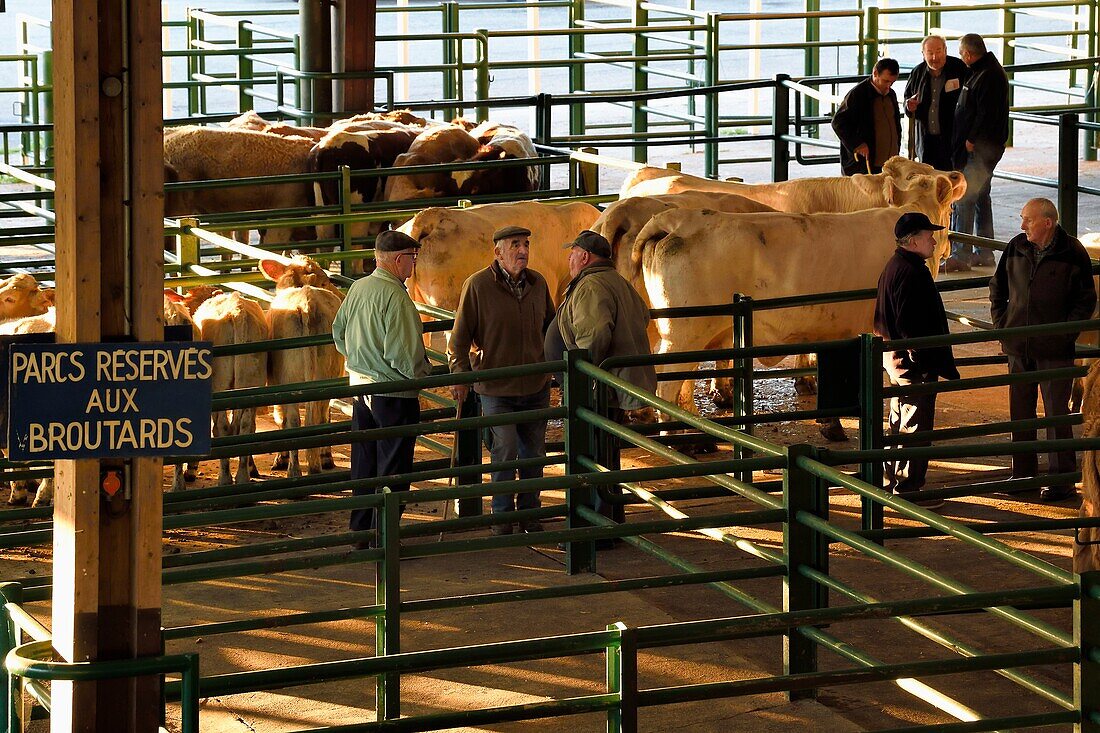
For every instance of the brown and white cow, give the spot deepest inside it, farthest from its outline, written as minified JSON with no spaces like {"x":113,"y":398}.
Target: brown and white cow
{"x":211,"y":153}
{"x":499,"y":142}
{"x":434,"y":146}
{"x":456,"y":243}
{"x":906,"y":183}
{"x":305,"y":304}
{"x":692,"y":257}
{"x":224,"y":319}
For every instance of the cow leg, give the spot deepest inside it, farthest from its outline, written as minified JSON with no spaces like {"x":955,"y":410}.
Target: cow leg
{"x":223,"y":429}
{"x":44,"y":495}
{"x":327,"y":462}
{"x":19,"y":493}
{"x":721,"y":388}
{"x":831,"y":429}
{"x":282,"y":458}
{"x":245,"y":424}
{"x":315,"y":415}
{"x":292,"y":419}
{"x":805,"y":385}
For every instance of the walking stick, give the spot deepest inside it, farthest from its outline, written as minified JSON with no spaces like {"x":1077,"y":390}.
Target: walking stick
{"x":454,"y":460}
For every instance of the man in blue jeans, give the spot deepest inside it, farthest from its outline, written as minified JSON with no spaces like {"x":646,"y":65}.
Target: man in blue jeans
{"x":502,"y":315}
{"x":980,"y":136}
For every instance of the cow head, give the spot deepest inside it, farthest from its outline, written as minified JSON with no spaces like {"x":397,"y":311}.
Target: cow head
{"x":299,"y":272}
{"x":903,"y":168}
{"x":464,"y":123}
{"x":933,"y":196}
{"x":175,"y":311}
{"x":196,"y":296}
{"x":332,"y":153}
{"x":20,"y":296}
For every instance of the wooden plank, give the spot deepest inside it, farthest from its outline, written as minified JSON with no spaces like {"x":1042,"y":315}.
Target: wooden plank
{"x":360,"y":33}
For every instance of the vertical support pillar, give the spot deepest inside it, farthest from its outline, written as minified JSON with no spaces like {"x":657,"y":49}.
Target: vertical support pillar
{"x":187,"y":248}
{"x":110,"y":228}
{"x":742,"y":382}
{"x":46,"y":71}
{"x":812,"y":62}
{"x":346,"y":244}
{"x":451,"y":79}
{"x":357,"y":24}
{"x":316,"y":57}
{"x":469,"y":454}
{"x":711,"y":116}
{"x":483,"y":77}
{"x":781,"y":126}
{"x":387,"y":593}
{"x":1093,"y":44}
{"x":803,"y":546}
{"x":544,"y":132}
{"x":1068,"y":147}
{"x":576,"y":69}
{"x":870,"y":38}
{"x":1086,"y":635}
{"x":580,"y":556}
{"x":622,"y":679}
{"x":870,"y":422}
{"x":640,"y":123}
{"x":588,"y":175}
{"x":245,"y":68}
{"x":1008,"y":58}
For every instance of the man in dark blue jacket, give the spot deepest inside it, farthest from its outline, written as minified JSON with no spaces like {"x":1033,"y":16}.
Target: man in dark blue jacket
{"x":930,"y":98}
{"x":909,"y":306}
{"x":980,"y":136}
{"x":1044,"y":276}
{"x":868,"y":123}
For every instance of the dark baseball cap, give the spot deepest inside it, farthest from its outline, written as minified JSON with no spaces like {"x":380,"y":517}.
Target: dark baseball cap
{"x":591,"y":242}
{"x":392,"y":240}
{"x":512,"y":231}
{"x":913,"y":223}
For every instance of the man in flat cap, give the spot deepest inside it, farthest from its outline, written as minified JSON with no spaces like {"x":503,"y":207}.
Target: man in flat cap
{"x":379,"y":332}
{"x":601,"y":312}
{"x":909,"y":306}
{"x":503,"y":312}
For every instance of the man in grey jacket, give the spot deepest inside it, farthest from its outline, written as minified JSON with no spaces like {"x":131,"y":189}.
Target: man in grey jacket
{"x":601,"y":312}
{"x":1044,"y":276}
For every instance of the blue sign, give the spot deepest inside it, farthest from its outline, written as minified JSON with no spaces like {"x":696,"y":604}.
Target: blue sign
{"x":109,"y":400}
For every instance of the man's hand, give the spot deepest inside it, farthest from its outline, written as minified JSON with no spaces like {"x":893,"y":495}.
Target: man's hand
{"x":911,"y":103}
{"x":459,"y":392}
{"x":969,"y":147}
{"x":862,"y":151}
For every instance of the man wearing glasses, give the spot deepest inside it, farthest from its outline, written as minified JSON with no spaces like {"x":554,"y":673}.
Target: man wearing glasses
{"x":379,"y":332}
{"x":502,"y":315}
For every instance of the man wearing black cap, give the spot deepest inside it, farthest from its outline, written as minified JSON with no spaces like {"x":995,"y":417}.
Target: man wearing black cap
{"x":1044,"y":276}
{"x":379,"y":332}
{"x":909,"y":306}
{"x":502,"y":314}
{"x":601,"y":312}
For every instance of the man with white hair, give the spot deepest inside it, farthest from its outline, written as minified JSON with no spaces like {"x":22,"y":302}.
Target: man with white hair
{"x":1044,"y":276}
{"x":930,"y":97}
{"x":502,"y":315}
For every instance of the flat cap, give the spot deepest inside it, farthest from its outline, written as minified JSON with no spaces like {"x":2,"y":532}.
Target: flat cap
{"x":912,"y":223}
{"x":591,"y":242}
{"x":392,"y":240}
{"x":512,"y":231}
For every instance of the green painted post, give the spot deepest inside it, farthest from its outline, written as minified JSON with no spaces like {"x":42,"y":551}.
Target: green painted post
{"x":1086,"y":635}
{"x":1008,"y":57}
{"x":483,"y":78}
{"x":742,"y":382}
{"x":451,"y":78}
{"x":870,"y":422}
{"x":1067,"y":172}
{"x":588,"y":175}
{"x":1091,"y":77}
{"x":387,"y":593}
{"x":577,"y":392}
{"x":10,"y":593}
{"x":576,"y":70}
{"x":622,"y":679}
{"x":345,"y":208}
{"x":781,"y":126}
{"x":640,"y":120}
{"x":244,"y":66}
{"x":932,"y":16}
{"x":46,"y":62}
{"x":804,"y":547}
{"x":544,"y":130}
{"x":193,"y":34}
{"x":468,"y":453}
{"x":711,"y":116}
{"x":187,"y":248}
{"x":812,"y":59}
{"x":870,"y":38}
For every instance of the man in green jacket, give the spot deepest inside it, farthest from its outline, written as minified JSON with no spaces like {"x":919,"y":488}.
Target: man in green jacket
{"x":503,"y":312}
{"x":601,"y":312}
{"x":379,"y":332}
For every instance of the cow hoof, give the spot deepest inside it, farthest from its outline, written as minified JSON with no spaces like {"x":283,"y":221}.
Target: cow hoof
{"x":294,"y":472}
{"x":833,"y":431}
{"x":189,"y":475}
{"x":721,"y":399}
{"x":327,"y":464}
{"x":805,"y":386}
{"x":282,"y":460}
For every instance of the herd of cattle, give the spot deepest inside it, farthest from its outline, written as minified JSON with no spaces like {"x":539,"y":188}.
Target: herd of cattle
{"x":679,"y":239}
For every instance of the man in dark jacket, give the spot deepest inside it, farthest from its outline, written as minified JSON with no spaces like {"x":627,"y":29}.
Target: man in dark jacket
{"x":1044,"y":276}
{"x":868,"y":123}
{"x":502,"y":314}
{"x":979,"y":139}
{"x":930,"y":98}
{"x":909,"y":306}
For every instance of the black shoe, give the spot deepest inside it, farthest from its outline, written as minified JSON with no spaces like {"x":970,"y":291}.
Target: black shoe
{"x":1057,"y":493}
{"x":501,"y":529}
{"x":984,"y":258}
{"x":530,"y":526}
{"x":609,"y":543}
{"x":363,"y":545}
